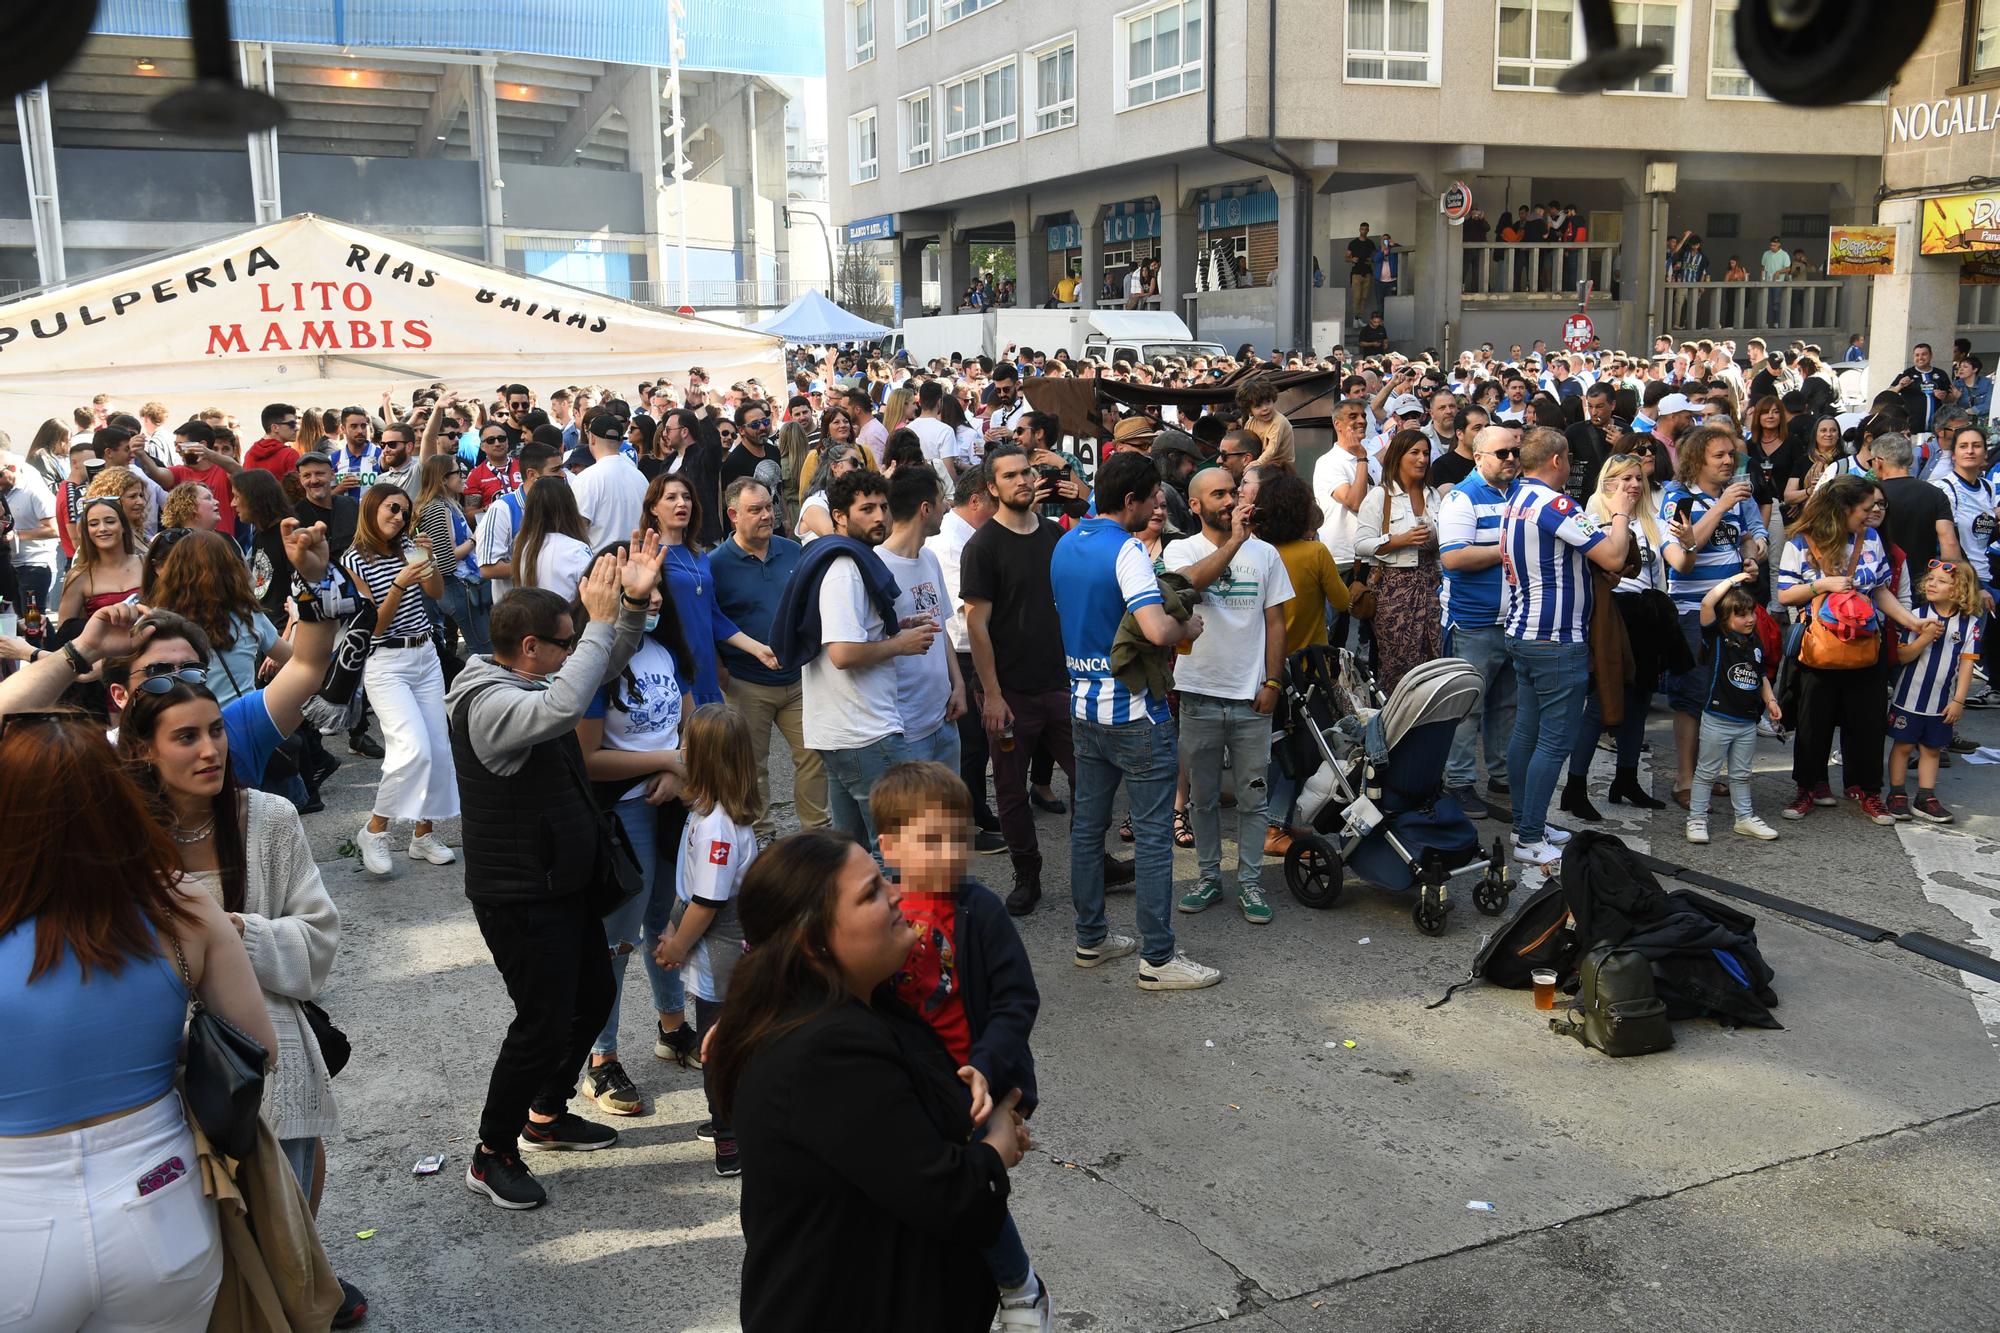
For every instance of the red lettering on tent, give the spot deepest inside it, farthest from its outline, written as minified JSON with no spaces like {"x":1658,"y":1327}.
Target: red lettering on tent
{"x":360,"y":334}
{"x":318,"y":334}
{"x":226,"y":338}
{"x":416,"y":334}
{"x":275,"y":339}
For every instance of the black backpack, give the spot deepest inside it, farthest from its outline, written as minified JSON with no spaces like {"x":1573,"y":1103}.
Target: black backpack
{"x":1616,"y":1010}
{"x":1541,"y":934}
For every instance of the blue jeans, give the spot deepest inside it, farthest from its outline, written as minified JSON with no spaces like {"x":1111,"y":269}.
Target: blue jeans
{"x":941,"y":745}
{"x":1730,"y":740}
{"x":1208,"y":727}
{"x":1143,"y":755}
{"x":302,"y":1155}
{"x":1486,"y":648}
{"x":470,"y":605}
{"x":639,"y":923}
{"x":850,"y":775}
{"x":1284,"y":795}
{"x":1553,"y":678}
{"x":1007,"y":1257}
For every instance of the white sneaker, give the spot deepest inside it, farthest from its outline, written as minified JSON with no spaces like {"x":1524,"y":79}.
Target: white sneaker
{"x":1753,"y":827}
{"x":429,"y":847}
{"x":1029,"y":1314}
{"x":1543,"y":853}
{"x":374,"y":847}
{"x":1697,"y":831}
{"x":1106,"y":949}
{"x":1178,"y":973}
{"x":1555,"y":836}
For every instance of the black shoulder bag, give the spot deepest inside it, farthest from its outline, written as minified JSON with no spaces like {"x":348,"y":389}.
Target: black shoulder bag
{"x":619,"y":876}
{"x":224,"y":1072}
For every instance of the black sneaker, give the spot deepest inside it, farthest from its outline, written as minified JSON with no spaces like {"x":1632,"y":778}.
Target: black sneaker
{"x":986,"y":844}
{"x":323,"y":768}
{"x":681,"y":1045}
{"x":705,"y":1131}
{"x":727,"y":1162}
{"x":612,"y":1089}
{"x":502,"y":1178}
{"x":1118,"y":871}
{"x":1960,"y":745}
{"x":568,"y":1132}
{"x":353,"y":1305}
{"x":361,"y":743}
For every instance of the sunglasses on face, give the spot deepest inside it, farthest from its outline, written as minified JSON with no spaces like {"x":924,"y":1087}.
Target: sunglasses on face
{"x":566,"y":644}
{"x":161,"y":677}
{"x":395,"y":510}
{"x":1505,"y":454}
{"x":493,"y":439}
{"x":294,"y":421}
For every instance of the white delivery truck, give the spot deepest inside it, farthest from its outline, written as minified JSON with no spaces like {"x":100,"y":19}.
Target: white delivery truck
{"x":1114,"y":335}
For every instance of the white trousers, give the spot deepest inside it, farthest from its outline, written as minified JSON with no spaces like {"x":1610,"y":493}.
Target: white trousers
{"x":82,"y":1249}
{"x":406,"y":689}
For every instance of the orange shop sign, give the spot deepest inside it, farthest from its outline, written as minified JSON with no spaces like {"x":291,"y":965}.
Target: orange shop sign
{"x":1957,"y":224}
{"x":1853,"y":252}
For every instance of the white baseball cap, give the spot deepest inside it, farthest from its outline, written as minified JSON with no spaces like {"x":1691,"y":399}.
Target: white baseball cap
{"x":1678,"y":402}
{"x":1404,"y":404}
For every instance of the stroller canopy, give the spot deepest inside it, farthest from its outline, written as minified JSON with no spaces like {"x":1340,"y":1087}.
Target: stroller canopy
{"x":1444,"y":690}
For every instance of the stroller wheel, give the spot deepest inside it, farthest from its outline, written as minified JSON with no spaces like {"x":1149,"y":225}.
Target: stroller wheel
{"x":1313,"y":871}
{"x":1491,"y":893}
{"x":1429,"y":918}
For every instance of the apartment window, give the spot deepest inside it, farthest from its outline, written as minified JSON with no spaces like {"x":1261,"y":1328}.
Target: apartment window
{"x":1392,"y":41}
{"x":860,"y":31}
{"x":1982,"y":39}
{"x":951,"y":11}
{"x":1116,"y":259}
{"x":1054,"y":84}
{"x":1160,"y":52}
{"x":916,"y":19}
{"x":916,"y":111}
{"x":862,"y":163}
{"x":981,"y":109}
{"x":1804,"y":224}
{"x":1723,"y":226}
{"x":1658,"y":25}
{"x":1726,"y":75}
{"x":1536,"y":42}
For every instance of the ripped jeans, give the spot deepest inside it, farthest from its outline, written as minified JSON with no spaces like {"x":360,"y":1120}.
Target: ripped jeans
{"x":1208,"y":727}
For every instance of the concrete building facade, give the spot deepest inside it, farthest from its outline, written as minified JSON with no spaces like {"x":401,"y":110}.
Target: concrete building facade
{"x":1197,"y":131}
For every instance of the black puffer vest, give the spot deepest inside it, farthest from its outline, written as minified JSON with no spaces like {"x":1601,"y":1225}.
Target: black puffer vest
{"x":529,"y":835}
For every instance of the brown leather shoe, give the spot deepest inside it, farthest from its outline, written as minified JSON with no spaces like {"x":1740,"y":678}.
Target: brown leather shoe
{"x":1277,"y":841}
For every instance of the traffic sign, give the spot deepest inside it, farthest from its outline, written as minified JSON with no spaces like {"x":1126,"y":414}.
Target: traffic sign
{"x":1578,"y":332}
{"x":684,"y":310}
{"x":1455,"y":202}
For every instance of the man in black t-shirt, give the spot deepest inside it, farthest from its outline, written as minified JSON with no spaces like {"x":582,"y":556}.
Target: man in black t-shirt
{"x":753,"y":435}
{"x":1587,"y":450}
{"x":1924,"y":388}
{"x":340,"y":513}
{"x":1016,"y":639}
{"x":1919,"y":517}
{"x":1450,"y":468}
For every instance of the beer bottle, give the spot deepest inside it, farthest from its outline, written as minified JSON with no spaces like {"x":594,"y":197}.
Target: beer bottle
{"x":31,"y":621}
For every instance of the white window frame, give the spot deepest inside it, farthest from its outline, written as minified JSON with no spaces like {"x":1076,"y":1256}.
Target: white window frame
{"x":1009,"y":124}
{"x":910,"y":29}
{"x":1432,"y":56}
{"x":856,"y":53}
{"x":1535,"y":63}
{"x":957,"y":11}
{"x":1121,"y":47}
{"x":906,"y":160}
{"x":1677,"y":53}
{"x":861,"y":170}
{"x":1721,"y":27}
{"x":1032,"y":76}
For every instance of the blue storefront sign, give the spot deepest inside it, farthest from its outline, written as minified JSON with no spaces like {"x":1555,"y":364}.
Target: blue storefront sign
{"x":1065,"y":236}
{"x":880,"y":228}
{"x":1135,"y":225}
{"x":1238,"y":210}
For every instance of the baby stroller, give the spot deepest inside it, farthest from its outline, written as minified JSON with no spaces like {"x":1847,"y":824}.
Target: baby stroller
{"x":1375,"y":802}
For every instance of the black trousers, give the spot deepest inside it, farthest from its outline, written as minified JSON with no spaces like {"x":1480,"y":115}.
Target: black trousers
{"x":1855,"y":702}
{"x":707,"y":1013}
{"x":553,"y":958}
{"x":972,"y":753}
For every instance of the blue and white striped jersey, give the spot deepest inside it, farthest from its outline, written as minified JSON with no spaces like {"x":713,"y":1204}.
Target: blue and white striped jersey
{"x":1101,"y":572}
{"x":1926,"y":684}
{"x":1543,"y":537}
{"x":1720,"y":558}
{"x":1469,"y":515}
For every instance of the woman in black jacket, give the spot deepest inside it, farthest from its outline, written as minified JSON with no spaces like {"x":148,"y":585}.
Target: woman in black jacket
{"x":866,"y":1199}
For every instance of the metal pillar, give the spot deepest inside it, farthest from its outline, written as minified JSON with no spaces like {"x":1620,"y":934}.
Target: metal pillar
{"x":38,"y":153}
{"x":675,"y":11}
{"x":486,"y":139}
{"x":254,"y":61}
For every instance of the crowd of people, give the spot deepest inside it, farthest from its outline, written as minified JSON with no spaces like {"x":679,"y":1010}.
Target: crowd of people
{"x":579,"y":615}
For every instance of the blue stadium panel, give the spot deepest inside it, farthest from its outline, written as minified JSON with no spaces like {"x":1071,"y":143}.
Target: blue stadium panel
{"x":781,"y":37}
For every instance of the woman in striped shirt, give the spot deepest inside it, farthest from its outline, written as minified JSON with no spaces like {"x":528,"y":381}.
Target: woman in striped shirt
{"x":403,"y":679}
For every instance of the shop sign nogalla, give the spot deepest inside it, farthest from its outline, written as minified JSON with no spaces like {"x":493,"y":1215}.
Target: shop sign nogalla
{"x":1974,"y":113}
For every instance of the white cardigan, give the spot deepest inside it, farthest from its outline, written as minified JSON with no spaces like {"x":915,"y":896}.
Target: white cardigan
{"x":1369,"y":534}
{"x":291,"y":931}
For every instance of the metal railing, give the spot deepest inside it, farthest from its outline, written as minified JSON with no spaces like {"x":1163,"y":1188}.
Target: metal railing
{"x":711,"y":294}
{"x":1512,"y":270}
{"x":1757,"y":307}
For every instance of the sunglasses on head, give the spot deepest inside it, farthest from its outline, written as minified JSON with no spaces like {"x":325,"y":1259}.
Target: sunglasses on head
{"x":1948,"y":566}
{"x":161,"y":677}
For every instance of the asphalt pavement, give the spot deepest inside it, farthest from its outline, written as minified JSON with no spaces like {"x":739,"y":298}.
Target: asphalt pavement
{"x":1299,"y":1148}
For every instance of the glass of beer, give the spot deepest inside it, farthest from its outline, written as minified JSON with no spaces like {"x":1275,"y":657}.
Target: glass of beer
{"x":1545,"y":987}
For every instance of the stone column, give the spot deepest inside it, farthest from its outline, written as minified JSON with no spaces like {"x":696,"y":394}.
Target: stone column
{"x":1180,"y":244}
{"x":1916,"y":303}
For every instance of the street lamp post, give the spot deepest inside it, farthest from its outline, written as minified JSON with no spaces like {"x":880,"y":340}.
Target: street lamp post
{"x":826,"y":233}
{"x":675,"y":11}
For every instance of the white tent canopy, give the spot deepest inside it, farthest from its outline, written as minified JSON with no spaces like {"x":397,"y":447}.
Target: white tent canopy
{"x":322,"y":313}
{"x":814,"y":319}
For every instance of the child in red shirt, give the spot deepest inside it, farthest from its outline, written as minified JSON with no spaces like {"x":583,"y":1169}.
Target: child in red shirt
{"x":967,"y":976}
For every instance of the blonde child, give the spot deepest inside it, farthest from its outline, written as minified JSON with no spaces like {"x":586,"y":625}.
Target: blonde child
{"x":1929,"y":698}
{"x":704,"y":935}
{"x":1737,"y":693}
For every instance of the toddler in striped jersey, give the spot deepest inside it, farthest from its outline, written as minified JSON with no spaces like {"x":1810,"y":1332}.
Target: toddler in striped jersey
{"x":1930,"y":691}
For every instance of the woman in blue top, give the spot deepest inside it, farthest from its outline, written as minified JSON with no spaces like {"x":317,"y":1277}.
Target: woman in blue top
{"x":101,"y":1201}
{"x":673,"y":510}
{"x":205,"y":580}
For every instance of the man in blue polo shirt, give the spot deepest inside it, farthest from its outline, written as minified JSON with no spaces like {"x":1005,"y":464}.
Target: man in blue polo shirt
{"x":1474,"y":613}
{"x":1548,"y":544}
{"x":1722,"y":534}
{"x":751,"y":569}
{"x":1101,"y":573}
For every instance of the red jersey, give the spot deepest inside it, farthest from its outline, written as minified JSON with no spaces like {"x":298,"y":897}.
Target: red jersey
{"x":485,"y":481}
{"x":928,"y":981}
{"x":216,"y":478}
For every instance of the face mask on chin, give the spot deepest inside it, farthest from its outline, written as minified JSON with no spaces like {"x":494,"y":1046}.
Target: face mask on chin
{"x":652,"y":621}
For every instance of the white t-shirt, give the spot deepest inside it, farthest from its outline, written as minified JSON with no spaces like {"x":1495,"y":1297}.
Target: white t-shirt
{"x":493,"y":540}
{"x":33,"y":505}
{"x":817,"y":500}
{"x":847,"y":710}
{"x":560,"y":565}
{"x":1227,"y":661}
{"x":940,"y":442}
{"x":610,"y":494}
{"x":949,"y":548}
{"x":650,"y":722}
{"x":1336,"y":468}
{"x":715,"y":853}
{"x":923,"y":684}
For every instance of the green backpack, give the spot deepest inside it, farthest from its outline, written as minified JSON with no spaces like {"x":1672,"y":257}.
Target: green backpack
{"x":1618,"y":1010}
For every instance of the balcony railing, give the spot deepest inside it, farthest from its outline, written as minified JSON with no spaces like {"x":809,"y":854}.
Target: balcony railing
{"x":1760,"y":307}
{"x":1515,"y":270}
{"x":712,"y":294}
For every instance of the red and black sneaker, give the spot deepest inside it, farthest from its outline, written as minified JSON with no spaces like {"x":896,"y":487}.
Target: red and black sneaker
{"x":1899,"y":805}
{"x":1932,"y":810}
{"x":502,"y":1178}
{"x":1822,"y":795}
{"x":1872,"y":808}
{"x":1801,"y":806}
{"x":568,"y":1132}
{"x":353,"y":1305}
